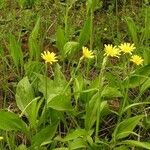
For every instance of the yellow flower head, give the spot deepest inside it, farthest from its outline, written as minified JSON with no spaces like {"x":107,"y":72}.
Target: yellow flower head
{"x":137,"y":60}
{"x":49,"y":57}
{"x":87,"y":53}
{"x":127,"y":48}
{"x":111,"y":50}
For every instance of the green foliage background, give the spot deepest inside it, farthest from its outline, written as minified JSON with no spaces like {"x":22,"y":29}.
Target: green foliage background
{"x":73,"y":104}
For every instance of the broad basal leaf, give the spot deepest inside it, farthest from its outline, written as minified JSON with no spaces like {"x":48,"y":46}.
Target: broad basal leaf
{"x":25,"y":99}
{"x":56,"y":92}
{"x":145,"y":85}
{"x":60,"y":40}
{"x":78,"y":143}
{"x":75,"y":134}
{"x":15,"y":51}
{"x":85,"y":32}
{"x":33,"y":43}
{"x":121,"y":148}
{"x":126,"y":127}
{"x":78,"y":86}
{"x":138,"y":77}
{"x":10,"y":121}
{"x":145,"y":145}
{"x":70,"y":48}
{"x":44,"y":135}
{"x":60,"y":102}
{"x":110,"y":92}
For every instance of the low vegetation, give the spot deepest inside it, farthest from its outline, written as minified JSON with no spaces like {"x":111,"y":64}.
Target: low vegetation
{"x":74,"y":75}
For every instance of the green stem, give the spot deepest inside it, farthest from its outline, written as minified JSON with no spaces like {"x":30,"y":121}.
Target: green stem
{"x":91,"y":30}
{"x":97,"y":121}
{"x":101,"y":75}
{"x":78,"y":66}
{"x":46,"y":70}
{"x":46,"y":81}
{"x":72,"y":79}
{"x":117,"y":24}
{"x":126,"y":89}
{"x":88,"y":68}
{"x":66,"y":16}
{"x":66,"y":21}
{"x":8,"y":141}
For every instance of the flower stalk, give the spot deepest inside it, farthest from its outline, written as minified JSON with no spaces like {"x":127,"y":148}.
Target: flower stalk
{"x":101,"y":83}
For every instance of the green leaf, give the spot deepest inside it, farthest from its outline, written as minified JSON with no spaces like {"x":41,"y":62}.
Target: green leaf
{"x":35,"y":31}
{"x":32,"y":67}
{"x":60,"y":102}
{"x":62,"y":148}
{"x":146,"y":34}
{"x":24,"y":95}
{"x":25,"y":99}
{"x":145,"y":85}
{"x":59,"y":77}
{"x":126,"y":127}
{"x":146,"y":55}
{"x":139,"y":76}
{"x":85,"y":33}
{"x":26,"y":3}
{"x":21,"y":147}
{"x":90,"y":2}
{"x":77,"y":143}
{"x":70,"y":48}
{"x":94,"y":4}
{"x":121,"y":148}
{"x":2,"y":4}
{"x":1,"y":52}
{"x":146,"y":122}
{"x":34,"y":46}
{"x":21,"y":3}
{"x":91,"y":90}
{"x":58,"y":93}
{"x":45,"y":134}
{"x":10,"y":121}
{"x":91,"y":110}
{"x":132,"y":29}
{"x":78,"y":86}
{"x":135,"y":104}
{"x":109,"y":92}
{"x":75,"y":134}
{"x":15,"y":51}
{"x":145,"y":145}
{"x":54,"y":87}
{"x":60,"y":40}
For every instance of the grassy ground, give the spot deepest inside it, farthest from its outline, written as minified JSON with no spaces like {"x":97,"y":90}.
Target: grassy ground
{"x":82,"y":101}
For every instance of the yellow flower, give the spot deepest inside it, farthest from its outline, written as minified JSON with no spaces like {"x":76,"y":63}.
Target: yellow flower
{"x":137,"y":60}
{"x":87,"y":53}
{"x":49,"y":57}
{"x":127,"y":48}
{"x":111,"y":50}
